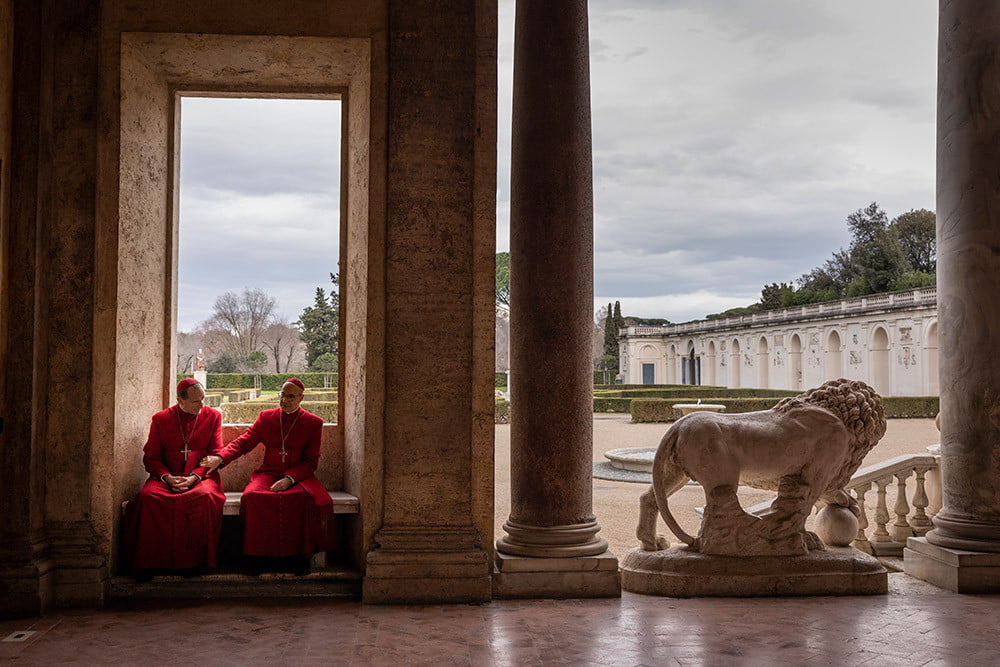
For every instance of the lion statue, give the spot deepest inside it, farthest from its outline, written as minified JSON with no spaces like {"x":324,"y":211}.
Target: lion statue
{"x":806,"y":448}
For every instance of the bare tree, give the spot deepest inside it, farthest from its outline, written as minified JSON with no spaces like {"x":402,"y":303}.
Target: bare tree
{"x":282,"y":341}
{"x":238,"y":321}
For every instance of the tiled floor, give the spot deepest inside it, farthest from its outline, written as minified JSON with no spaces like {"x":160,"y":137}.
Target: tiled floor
{"x":915,"y":624}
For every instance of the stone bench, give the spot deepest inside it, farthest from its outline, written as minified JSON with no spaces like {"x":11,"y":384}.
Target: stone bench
{"x":343,"y":503}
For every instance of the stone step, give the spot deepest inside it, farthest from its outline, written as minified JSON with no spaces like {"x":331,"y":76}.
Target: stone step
{"x":330,"y":582}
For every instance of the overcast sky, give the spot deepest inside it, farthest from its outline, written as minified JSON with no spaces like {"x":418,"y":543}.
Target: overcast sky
{"x":731,"y":140}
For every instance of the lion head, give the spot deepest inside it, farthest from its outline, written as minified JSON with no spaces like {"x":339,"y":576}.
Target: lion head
{"x":858,"y":406}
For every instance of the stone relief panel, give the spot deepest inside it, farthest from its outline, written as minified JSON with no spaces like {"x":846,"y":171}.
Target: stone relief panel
{"x":906,"y":357}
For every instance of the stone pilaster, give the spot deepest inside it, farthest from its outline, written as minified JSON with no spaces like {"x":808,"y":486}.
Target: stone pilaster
{"x":26,"y":581}
{"x":434,"y":543}
{"x":552,"y":249}
{"x":968,"y":270}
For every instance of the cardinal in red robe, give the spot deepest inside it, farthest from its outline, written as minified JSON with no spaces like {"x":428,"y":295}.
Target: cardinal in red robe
{"x":174,"y":521}
{"x":285,"y":509}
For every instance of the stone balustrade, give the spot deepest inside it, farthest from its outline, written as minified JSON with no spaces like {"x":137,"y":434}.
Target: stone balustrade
{"x":887,"y":534}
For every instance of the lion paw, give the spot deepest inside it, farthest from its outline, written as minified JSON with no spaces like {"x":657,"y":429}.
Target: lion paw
{"x":661,"y":544}
{"x":813,"y":543}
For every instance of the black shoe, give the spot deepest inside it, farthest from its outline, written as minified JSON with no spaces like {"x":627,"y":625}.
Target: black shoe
{"x":143,"y":576}
{"x":190,"y":572}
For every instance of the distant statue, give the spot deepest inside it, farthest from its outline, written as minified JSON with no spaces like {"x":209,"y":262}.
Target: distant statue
{"x":806,"y":448}
{"x":199,"y":361}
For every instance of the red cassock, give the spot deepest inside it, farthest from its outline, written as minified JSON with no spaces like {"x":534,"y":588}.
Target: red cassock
{"x":299,"y":520}
{"x":167,"y":530}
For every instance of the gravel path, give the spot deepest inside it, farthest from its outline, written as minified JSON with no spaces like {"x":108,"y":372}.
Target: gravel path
{"x":616,"y":503}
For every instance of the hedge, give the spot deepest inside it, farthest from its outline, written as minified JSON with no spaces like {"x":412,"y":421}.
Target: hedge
{"x":661,"y":410}
{"x":611,"y":404}
{"x":269,"y":381}
{"x":499,"y":379}
{"x":695,"y":392}
{"x":246,"y":413}
{"x":501,"y":411}
{"x":908,"y":407}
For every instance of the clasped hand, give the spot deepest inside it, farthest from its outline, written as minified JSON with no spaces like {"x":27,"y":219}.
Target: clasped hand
{"x":179,"y":483}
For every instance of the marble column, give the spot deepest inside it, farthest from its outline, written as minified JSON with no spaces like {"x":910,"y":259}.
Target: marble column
{"x":552,"y":248}
{"x":968,"y":270}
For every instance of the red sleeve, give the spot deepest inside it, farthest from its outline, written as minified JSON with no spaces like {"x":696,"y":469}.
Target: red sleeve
{"x":214,"y":445}
{"x":310,"y":456}
{"x":241,"y":445}
{"x":152,"y":453}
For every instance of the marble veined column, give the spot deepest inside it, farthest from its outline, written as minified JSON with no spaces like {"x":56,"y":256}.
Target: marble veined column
{"x":968,"y":270}
{"x":551,"y":266}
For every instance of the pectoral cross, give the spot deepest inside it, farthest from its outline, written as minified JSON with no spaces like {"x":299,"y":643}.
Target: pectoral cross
{"x":185,"y":451}
{"x":284,"y":455}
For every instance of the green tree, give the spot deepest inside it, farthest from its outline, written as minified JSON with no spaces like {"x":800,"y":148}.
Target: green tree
{"x":917,"y":234}
{"x":325,"y":363}
{"x":320,"y":323}
{"x":255,"y":361}
{"x":224,"y":363}
{"x":620,"y":323}
{"x":875,"y":249}
{"x":610,"y":334}
{"x":503,"y":281}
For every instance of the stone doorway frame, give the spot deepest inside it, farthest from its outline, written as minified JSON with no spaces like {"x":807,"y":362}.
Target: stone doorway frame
{"x":138,"y":231}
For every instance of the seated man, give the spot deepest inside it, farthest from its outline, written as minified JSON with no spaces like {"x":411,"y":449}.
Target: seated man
{"x":174,"y":521}
{"x":286,"y":511}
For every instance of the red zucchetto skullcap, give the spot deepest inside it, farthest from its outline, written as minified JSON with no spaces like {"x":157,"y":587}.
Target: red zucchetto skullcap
{"x":185,"y":383}
{"x":297,"y":382}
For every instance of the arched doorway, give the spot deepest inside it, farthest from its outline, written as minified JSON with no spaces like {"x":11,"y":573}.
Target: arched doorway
{"x":795,"y":363}
{"x":647,"y":364}
{"x":762,"y":363}
{"x":931,"y":360}
{"x":834,"y":356}
{"x":880,"y":362}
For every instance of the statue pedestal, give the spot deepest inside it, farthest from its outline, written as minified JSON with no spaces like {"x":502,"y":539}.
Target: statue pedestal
{"x":955,"y":570}
{"x":202,"y":377}
{"x":680,"y":572}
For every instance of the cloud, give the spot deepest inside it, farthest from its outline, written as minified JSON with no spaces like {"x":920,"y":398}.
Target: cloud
{"x":259,"y":201}
{"x":731,"y":139}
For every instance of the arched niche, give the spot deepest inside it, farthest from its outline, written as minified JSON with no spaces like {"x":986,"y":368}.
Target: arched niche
{"x":795,"y":362}
{"x":763,"y":353}
{"x":879,"y":351}
{"x":834,"y":355}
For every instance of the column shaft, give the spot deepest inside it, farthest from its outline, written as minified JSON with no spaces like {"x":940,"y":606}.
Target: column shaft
{"x":968,"y":270}
{"x":552,"y":251}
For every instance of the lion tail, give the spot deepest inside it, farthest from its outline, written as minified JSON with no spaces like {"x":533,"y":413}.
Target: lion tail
{"x":668,"y":476}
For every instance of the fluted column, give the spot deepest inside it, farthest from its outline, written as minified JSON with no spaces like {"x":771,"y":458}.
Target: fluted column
{"x":551,"y":262}
{"x":968,"y":270}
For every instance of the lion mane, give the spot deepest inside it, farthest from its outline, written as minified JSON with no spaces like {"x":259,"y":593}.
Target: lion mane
{"x":858,"y":407}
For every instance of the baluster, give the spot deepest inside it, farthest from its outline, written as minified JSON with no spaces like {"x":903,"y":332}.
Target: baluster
{"x":901,"y":530}
{"x":921,"y":524}
{"x":881,"y":512}
{"x":861,"y":542}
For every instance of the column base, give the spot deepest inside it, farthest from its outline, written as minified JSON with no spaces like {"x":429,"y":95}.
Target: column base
{"x":956,"y":531}
{"x":956,"y":570}
{"x":421,"y":565}
{"x":570,"y":541}
{"x":569,"y":577}
{"x":27,"y":581}
{"x":81,"y":572}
